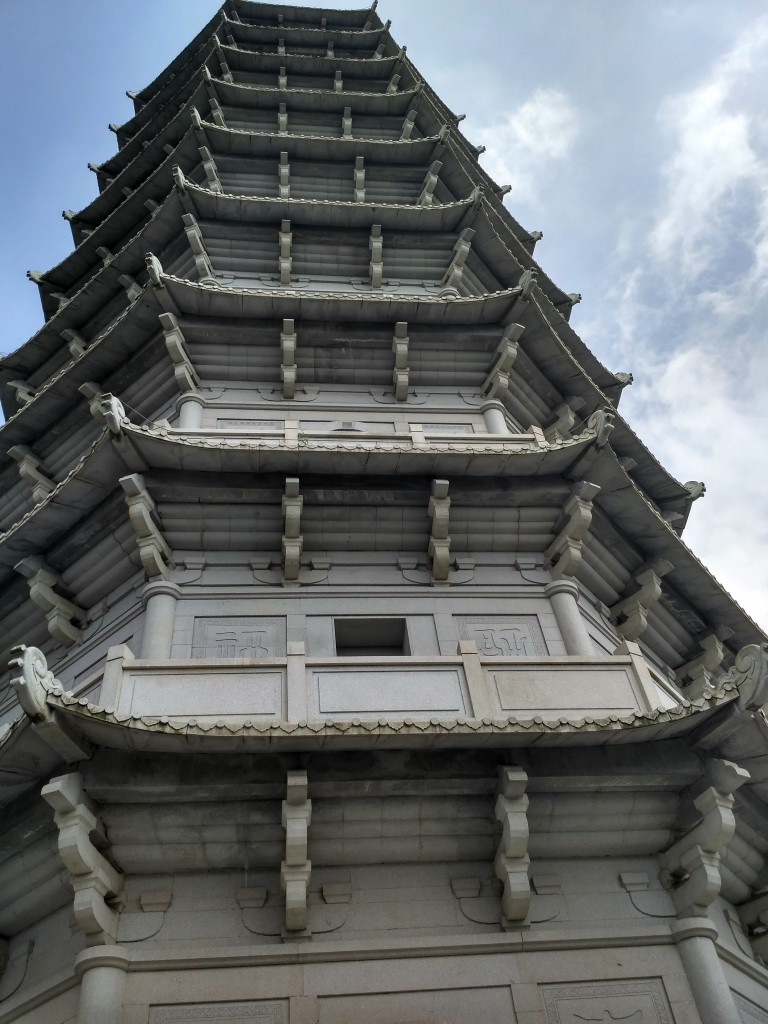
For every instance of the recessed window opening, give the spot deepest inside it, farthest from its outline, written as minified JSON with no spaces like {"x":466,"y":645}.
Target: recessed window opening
{"x":385,"y":637}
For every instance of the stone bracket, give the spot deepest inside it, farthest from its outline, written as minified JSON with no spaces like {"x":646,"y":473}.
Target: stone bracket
{"x":526,"y":284}
{"x":563,"y":419}
{"x":32,"y":471}
{"x":65,"y":619}
{"x":211,"y":170}
{"x":631,"y":613}
{"x":104,"y":407}
{"x":93,"y":878}
{"x":496,"y":384}
{"x":156,"y":556}
{"x":426,"y":196}
{"x":284,"y":176}
{"x":346,"y":123}
{"x":293,"y":542}
{"x":376,"y":245}
{"x":288,"y":358}
{"x":690,"y":868}
{"x":565,"y":551}
{"x":203,"y":265}
{"x":453,"y":275}
{"x":511,"y":861}
{"x":282,"y":119}
{"x":295,"y":869}
{"x":285,"y":261}
{"x":408,"y":125}
{"x":358,"y":179}
{"x":401,"y":372}
{"x":24,"y":393}
{"x":697,"y":674}
{"x":183,"y":369}
{"x":439,"y":541}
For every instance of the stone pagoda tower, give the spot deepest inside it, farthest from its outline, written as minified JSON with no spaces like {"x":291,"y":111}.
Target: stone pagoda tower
{"x":357,"y":668}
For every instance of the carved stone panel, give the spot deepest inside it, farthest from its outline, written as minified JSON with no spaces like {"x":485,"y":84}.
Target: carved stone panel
{"x":273,"y":1012}
{"x":367,"y":692}
{"x":244,"y":424}
{"x":504,"y":636}
{"x":238,"y":637}
{"x":633,"y":1002}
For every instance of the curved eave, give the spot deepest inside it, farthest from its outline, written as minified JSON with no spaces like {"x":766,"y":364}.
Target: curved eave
{"x":165,"y":103}
{"x":637,"y":518}
{"x":48,"y":341}
{"x":189,"y":55}
{"x":92,"y":479}
{"x":302,"y":35}
{"x":95,"y":476}
{"x":552,"y":355}
{"x":25,"y":759}
{"x":58,"y":395}
{"x":240,"y":94}
{"x":205,"y":452}
{"x":166,"y":733}
{"x":253,"y":9}
{"x":367,"y":68}
{"x":236,"y":141}
{"x":132,"y":165}
{"x":194,"y":299}
{"x":224,"y":206}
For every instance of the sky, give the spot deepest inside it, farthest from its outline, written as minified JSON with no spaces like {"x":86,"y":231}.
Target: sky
{"x":633,"y":134}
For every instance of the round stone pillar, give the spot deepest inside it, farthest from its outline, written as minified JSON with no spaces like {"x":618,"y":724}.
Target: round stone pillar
{"x":190,"y":407}
{"x":563,"y":596}
{"x":102,"y":984}
{"x":495,"y":420}
{"x":695,"y":938}
{"x":159,"y":600}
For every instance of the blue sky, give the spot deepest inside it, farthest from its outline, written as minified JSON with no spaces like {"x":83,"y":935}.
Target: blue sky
{"x":634,"y":135}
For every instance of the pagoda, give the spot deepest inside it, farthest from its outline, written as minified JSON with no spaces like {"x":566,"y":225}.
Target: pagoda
{"x":357,"y":670}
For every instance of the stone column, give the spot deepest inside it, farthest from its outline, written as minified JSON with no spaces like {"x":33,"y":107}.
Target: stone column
{"x":563,"y":595}
{"x":495,"y":420}
{"x":102,"y":984}
{"x":159,"y":600}
{"x":695,"y":938}
{"x":190,"y":407}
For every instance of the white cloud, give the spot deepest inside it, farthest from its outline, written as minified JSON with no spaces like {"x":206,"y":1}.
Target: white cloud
{"x":689,"y":298}
{"x":522,"y":147}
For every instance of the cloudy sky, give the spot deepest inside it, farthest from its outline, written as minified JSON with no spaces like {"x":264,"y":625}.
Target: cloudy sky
{"x":634,"y":134}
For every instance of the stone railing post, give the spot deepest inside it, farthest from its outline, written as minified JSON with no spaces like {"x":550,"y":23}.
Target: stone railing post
{"x":102,"y":984}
